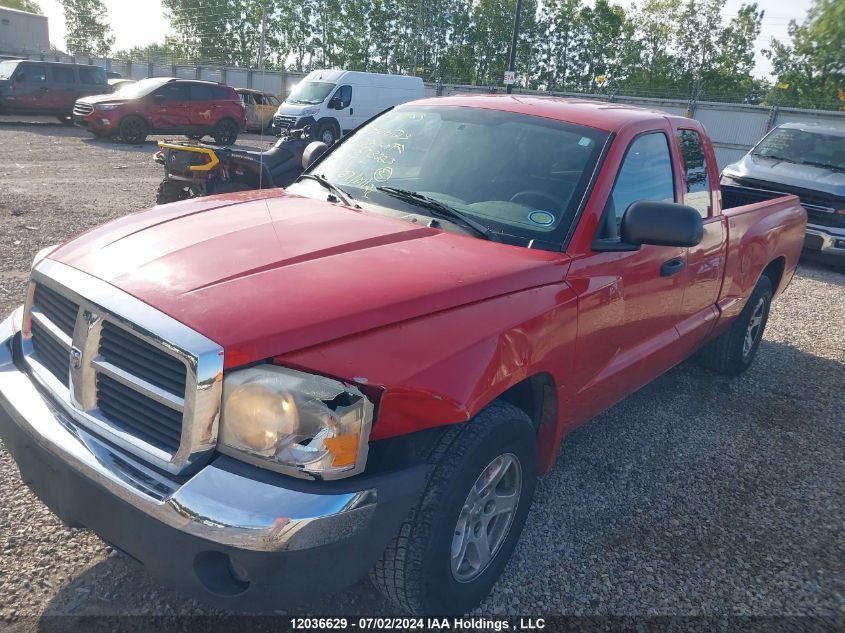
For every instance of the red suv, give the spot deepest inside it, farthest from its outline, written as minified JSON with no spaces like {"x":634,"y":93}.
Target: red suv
{"x":164,"y":105}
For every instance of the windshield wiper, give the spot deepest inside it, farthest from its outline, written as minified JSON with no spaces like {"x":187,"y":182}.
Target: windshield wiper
{"x":780,"y":158}
{"x":440,"y":209}
{"x":816,"y":163}
{"x":339,"y":193}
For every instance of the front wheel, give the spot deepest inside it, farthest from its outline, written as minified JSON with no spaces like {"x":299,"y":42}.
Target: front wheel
{"x":734,"y":350}
{"x":327,"y":134}
{"x":456,"y":542}
{"x":133,"y":130}
{"x":226,"y":132}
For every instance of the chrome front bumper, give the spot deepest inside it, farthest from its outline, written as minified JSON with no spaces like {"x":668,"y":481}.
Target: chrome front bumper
{"x":825,"y":240}
{"x":214,"y":504}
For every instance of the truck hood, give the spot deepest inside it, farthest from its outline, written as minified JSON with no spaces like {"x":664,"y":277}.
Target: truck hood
{"x":777,"y":172}
{"x":106,"y":98}
{"x":266,"y":273}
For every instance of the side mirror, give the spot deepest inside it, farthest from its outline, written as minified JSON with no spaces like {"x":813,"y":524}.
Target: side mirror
{"x":661,"y":224}
{"x":312,"y":153}
{"x":335,"y":104}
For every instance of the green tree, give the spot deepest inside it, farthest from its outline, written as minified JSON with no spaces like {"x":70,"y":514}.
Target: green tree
{"x":88,"y":32}
{"x":731,"y":78}
{"x":22,"y":5}
{"x":810,"y":69}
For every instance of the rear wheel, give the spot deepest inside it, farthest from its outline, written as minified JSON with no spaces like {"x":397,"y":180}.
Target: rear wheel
{"x":455,"y":544}
{"x":133,"y":130}
{"x":226,"y":132}
{"x":173,"y":191}
{"x":734,"y":350}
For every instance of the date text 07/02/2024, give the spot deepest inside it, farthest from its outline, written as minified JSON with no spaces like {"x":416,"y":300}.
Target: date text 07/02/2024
{"x":425,"y":624}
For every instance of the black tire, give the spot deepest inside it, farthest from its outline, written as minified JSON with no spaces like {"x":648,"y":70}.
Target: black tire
{"x":226,"y":132}
{"x":415,"y":572}
{"x":195,"y":137}
{"x":65,"y":120}
{"x":173,"y":191}
{"x":133,"y":130}
{"x":327,"y":133}
{"x":230,"y":187}
{"x":729,"y":354}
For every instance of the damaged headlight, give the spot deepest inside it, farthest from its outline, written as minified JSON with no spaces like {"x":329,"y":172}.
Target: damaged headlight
{"x":294,"y":422}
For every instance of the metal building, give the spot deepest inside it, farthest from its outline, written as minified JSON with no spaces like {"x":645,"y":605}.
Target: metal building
{"x":22,"y":32}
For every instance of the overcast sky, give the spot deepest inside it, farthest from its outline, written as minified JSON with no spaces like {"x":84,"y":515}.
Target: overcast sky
{"x":142,"y":22}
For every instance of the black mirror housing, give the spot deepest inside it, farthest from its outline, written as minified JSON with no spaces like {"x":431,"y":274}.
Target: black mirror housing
{"x":312,"y":153}
{"x":661,"y":224}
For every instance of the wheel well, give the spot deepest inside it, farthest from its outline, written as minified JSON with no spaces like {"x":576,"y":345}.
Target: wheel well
{"x":774,"y":271}
{"x":226,"y":118}
{"x":537,"y":397}
{"x":329,"y":121}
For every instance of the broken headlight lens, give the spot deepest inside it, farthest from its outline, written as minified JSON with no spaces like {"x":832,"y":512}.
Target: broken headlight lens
{"x":294,"y":422}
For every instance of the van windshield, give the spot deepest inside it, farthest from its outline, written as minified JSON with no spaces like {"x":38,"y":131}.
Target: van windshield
{"x":7,"y":68}
{"x":310,"y":92}
{"x":516,"y":174}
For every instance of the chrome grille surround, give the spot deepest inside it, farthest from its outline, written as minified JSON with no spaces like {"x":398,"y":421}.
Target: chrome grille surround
{"x":82,"y":109}
{"x":100,"y":302}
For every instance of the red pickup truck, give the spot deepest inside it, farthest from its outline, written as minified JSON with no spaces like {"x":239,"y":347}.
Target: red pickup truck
{"x":263,"y":396}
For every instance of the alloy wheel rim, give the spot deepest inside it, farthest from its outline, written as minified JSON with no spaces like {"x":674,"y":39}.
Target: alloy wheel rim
{"x":486,"y":517}
{"x":752,"y":332}
{"x":328,"y":137}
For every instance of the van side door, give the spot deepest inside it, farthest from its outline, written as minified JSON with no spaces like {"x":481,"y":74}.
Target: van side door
{"x":344,"y":108}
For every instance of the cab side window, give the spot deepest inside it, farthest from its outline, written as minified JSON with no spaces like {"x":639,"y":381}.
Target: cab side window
{"x":697,"y":193}
{"x":31,"y":74}
{"x":645,"y":174}
{"x":93,"y":75}
{"x":63,"y":75}
{"x":173,"y":92}
{"x":201,"y":92}
{"x":344,"y":96}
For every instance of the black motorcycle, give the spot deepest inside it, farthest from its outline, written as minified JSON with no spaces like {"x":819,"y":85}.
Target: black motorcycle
{"x":193,"y":170}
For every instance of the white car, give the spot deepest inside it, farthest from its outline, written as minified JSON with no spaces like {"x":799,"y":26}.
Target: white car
{"x":341,"y":100}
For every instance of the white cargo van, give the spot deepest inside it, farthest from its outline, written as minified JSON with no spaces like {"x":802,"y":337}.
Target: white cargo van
{"x":341,"y":100}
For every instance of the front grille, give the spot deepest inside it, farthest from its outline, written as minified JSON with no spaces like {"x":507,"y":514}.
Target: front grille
{"x":821,"y":207}
{"x":60,"y":310}
{"x":83,"y":109}
{"x":143,"y":417}
{"x":51,"y":353}
{"x":130,"y":373}
{"x":283,"y":121}
{"x":143,"y":360}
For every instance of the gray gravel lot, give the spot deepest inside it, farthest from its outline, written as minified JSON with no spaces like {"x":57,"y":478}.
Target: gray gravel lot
{"x":698,"y":495}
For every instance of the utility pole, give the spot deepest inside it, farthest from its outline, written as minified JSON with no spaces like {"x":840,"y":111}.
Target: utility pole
{"x":512,"y":60}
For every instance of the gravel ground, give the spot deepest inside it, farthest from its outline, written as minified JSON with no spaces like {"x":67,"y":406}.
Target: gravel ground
{"x":698,"y":495}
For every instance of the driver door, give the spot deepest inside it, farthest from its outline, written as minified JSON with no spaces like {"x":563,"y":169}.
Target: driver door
{"x":170,"y":107}
{"x":629,"y":302}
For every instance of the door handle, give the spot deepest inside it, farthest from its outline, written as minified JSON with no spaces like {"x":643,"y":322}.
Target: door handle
{"x":672,"y":267}
{"x":351,"y":110}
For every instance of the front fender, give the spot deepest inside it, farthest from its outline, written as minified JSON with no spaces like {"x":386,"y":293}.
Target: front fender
{"x":444,"y":368}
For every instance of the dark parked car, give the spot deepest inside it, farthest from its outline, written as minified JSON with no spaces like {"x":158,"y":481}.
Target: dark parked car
{"x":164,"y":105}
{"x":34,"y":87}
{"x":809,"y":161}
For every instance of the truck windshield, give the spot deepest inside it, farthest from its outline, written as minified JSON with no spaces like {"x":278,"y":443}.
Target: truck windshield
{"x":514,"y":174}
{"x":7,"y":68}
{"x":310,"y":92}
{"x":804,"y":147}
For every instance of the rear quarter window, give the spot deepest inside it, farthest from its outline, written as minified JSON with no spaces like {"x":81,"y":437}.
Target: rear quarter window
{"x":222,"y":93}
{"x":93,"y":75}
{"x":63,"y":74}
